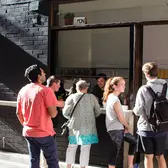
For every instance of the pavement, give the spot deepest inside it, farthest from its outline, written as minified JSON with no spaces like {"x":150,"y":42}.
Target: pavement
{"x":15,"y":160}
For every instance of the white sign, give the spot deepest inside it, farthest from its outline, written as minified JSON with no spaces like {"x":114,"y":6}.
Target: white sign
{"x":79,"y":21}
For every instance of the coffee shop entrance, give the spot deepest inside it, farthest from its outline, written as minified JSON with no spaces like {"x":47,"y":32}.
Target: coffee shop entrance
{"x":115,"y":49}
{"x":84,"y":52}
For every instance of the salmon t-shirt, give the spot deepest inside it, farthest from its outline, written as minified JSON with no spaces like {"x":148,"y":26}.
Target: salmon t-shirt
{"x":33,"y":100}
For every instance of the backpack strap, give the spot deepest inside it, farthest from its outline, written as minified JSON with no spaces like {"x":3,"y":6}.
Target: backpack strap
{"x":152,"y":93}
{"x":164,"y":90}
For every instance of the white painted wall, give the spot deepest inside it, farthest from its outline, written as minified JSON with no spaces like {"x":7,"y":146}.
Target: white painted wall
{"x":102,"y":11}
{"x":155,"y":45}
{"x":109,"y":4}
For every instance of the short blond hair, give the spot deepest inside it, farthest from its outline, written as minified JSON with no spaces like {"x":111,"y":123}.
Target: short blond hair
{"x":52,"y":79}
{"x":150,"y":68}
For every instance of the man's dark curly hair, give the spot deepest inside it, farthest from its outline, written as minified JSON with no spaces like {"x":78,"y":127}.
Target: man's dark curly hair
{"x":32,"y":72}
{"x":101,"y":75}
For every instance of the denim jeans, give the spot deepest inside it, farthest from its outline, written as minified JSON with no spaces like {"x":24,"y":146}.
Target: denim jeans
{"x":49,"y":148}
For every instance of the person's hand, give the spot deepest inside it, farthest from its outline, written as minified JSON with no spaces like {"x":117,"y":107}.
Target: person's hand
{"x":127,"y":129}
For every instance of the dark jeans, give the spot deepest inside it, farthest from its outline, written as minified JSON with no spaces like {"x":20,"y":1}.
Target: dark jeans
{"x":49,"y":148}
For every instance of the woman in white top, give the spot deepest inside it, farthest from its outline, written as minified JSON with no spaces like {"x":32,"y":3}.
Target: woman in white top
{"x":116,"y":124}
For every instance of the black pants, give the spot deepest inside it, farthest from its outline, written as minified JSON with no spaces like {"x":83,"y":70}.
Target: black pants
{"x":117,"y":138}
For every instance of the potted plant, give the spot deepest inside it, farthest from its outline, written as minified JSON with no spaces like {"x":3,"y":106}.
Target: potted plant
{"x":68,"y":18}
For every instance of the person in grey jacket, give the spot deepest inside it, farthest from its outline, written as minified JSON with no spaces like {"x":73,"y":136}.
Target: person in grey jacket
{"x":82,"y":127}
{"x":152,"y":143}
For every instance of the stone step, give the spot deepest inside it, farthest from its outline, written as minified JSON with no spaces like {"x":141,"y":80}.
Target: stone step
{"x":11,"y":138}
{"x":6,"y":93}
{"x":4,"y":89}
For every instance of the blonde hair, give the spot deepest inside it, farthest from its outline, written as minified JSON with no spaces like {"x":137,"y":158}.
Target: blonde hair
{"x":109,"y":86}
{"x":150,"y":68}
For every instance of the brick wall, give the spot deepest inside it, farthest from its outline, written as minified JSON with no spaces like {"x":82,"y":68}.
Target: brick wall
{"x":23,"y":41}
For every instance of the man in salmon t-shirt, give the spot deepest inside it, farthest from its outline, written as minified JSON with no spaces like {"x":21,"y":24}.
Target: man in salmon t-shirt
{"x":36,"y":104}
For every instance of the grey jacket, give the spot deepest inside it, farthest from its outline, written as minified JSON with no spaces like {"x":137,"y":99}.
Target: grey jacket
{"x":83,"y":119}
{"x":144,"y":102}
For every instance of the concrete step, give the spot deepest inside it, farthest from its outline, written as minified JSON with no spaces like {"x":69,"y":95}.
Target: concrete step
{"x":6,"y":93}
{"x":4,"y":89}
{"x":12,"y":138}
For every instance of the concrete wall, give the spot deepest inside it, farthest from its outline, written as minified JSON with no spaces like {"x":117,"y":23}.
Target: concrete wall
{"x":155,"y":45}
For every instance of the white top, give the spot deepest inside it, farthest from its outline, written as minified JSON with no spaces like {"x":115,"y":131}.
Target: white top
{"x":112,"y":122}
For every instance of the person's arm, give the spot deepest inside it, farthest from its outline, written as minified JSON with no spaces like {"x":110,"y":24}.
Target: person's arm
{"x":19,"y":116}
{"x":66,"y":111}
{"x":52,"y":111}
{"x":96,"y":107}
{"x":139,"y":108}
{"x":60,"y":103}
{"x":121,"y":118}
{"x":19,"y":112}
{"x":167,"y":93}
{"x":51,"y":102}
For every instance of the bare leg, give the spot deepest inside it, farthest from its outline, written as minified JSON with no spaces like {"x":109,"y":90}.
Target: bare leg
{"x":69,"y":165}
{"x":130,"y":161}
{"x":110,"y":166}
{"x":161,"y":161}
{"x":148,"y":161}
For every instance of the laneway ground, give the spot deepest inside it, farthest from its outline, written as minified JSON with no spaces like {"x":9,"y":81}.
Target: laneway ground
{"x":15,"y":160}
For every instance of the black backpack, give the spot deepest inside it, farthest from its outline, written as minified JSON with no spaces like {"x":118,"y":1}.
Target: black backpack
{"x":158,"y":119}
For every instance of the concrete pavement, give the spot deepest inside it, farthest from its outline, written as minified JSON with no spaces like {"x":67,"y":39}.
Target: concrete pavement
{"x":15,"y":160}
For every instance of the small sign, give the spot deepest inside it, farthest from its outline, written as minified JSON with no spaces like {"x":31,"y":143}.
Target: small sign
{"x":34,"y":5}
{"x":163,"y":73}
{"x":79,"y":21}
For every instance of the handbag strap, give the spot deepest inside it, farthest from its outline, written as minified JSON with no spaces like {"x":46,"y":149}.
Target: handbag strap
{"x":164,"y":90}
{"x":76,"y":105}
{"x":152,"y":93}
